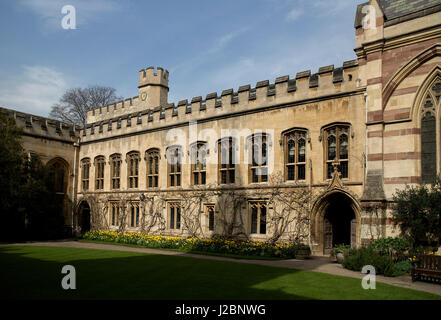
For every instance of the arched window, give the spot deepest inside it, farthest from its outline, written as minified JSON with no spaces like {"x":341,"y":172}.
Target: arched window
{"x":258,"y":154}
{"x":295,"y":155}
{"x":58,"y":176}
{"x":226,"y":149}
{"x":133,"y":169}
{"x":199,"y":163}
{"x":174,"y":159}
{"x":152,"y":158}
{"x":115,"y":167}
{"x":337,"y":150}
{"x":258,"y":213}
{"x":431,"y":103}
{"x":85,"y":170}
{"x":99,"y":172}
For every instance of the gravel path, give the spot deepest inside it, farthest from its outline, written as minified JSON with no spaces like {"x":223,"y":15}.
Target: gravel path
{"x":318,"y":264}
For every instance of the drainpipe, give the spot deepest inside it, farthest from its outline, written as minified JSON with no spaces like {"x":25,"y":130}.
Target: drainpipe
{"x":366,"y":147}
{"x":75,"y":182}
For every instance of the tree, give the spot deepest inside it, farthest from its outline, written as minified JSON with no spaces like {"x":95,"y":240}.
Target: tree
{"x":418,"y":213}
{"x":73,"y":105}
{"x":28,"y":207}
{"x":290,"y":214}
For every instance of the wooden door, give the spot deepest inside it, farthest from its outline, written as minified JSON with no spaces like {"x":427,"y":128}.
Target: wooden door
{"x":353,"y":233}
{"x":328,"y":236}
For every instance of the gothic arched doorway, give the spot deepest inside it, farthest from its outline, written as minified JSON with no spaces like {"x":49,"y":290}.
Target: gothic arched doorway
{"x":84,"y":217}
{"x":335,"y":220}
{"x":339,"y":225}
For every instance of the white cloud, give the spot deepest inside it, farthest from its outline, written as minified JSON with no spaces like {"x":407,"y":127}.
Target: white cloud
{"x":50,"y":14}
{"x":34,"y":90}
{"x":294,"y":14}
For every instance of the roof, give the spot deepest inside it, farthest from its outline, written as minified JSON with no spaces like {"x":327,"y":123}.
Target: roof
{"x":396,"y":11}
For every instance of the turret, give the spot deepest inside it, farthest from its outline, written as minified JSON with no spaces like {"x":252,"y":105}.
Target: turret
{"x":153,"y":87}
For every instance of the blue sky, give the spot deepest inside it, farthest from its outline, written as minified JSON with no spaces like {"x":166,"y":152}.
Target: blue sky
{"x":207,"y":46}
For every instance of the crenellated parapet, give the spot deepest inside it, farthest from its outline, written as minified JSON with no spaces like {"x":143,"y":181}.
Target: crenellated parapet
{"x":134,"y":114}
{"x":40,"y":127}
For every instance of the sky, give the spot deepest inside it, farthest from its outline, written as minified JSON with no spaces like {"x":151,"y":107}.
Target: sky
{"x":207,"y":46}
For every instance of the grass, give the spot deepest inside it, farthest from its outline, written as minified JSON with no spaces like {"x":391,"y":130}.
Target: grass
{"x":32,"y":272}
{"x":207,"y":253}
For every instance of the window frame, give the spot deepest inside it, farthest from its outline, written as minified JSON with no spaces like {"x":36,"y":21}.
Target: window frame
{"x":258,"y":165}
{"x":115,"y":171}
{"x":85,"y":174}
{"x":174,"y":171}
{"x":228,"y":169}
{"x":341,"y":129}
{"x":298,"y":134}
{"x":133,"y":173}
{"x":152,"y":157}
{"x":258,"y":205}
{"x":198,"y":152}
{"x":99,"y":162}
{"x":174,"y":216}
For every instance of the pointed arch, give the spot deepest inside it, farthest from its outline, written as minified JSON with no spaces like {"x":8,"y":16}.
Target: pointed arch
{"x":332,"y":197}
{"x":407,"y":69}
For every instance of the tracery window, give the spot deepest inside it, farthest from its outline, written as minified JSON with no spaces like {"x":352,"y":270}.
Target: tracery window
{"x":99,"y":172}
{"x":295,"y":155}
{"x":115,"y":168}
{"x":337,"y":150}
{"x":114,"y":218}
{"x":174,"y":159}
{"x":199,"y":163}
{"x":431,"y":103}
{"x":85,"y":170}
{"x":133,"y":169}
{"x":152,"y":157}
{"x":258,"y":215}
{"x":258,"y":157}
{"x":175,"y":215}
{"x":227,"y":167}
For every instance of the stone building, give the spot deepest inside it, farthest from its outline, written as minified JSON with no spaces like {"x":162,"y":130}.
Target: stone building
{"x":348,"y":135}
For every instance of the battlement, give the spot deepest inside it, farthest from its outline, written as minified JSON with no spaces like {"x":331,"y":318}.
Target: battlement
{"x":150,"y":76}
{"x":37,"y":126}
{"x":304,"y":86}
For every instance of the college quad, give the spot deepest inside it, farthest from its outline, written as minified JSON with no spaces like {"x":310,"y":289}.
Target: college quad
{"x":347,"y":136}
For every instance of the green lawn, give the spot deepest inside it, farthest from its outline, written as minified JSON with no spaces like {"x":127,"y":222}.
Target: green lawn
{"x":35,"y":273}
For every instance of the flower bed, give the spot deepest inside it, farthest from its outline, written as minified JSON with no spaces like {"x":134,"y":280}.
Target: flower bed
{"x":244,"y":248}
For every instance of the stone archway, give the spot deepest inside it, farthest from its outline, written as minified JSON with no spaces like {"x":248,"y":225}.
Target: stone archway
{"x":336,"y":219}
{"x":83,"y":217}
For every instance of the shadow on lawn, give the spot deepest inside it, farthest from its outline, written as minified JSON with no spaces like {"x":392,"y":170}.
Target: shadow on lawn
{"x":35,"y":273}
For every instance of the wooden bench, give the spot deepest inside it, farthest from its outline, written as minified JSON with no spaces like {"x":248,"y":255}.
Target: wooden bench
{"x":427,"y":268}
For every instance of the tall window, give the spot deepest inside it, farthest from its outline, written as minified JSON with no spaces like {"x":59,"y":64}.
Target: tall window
{"x":210,"y":212}
{"x":258,"y":212}
{"x":133,"y":169}
{"x":99,"y":173}
{"x":58,"y":176}
{"x":134,"y":215}
{"x":85,"y":170}
{"x":226,"y":161}
{"x":174,"y":159}
{"x":114,"y":218}
{"x":428,"y":133}
{"x":258,"y":154}
{"x":152,"y":157}
{"x":115,"y":163}
{"x":295,"y":155}
{"x":199,"y":163}
{"x":337,"y":150}
{"x":175,"y":215}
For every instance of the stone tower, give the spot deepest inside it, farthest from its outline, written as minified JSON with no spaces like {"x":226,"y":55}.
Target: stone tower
{"x":153,"y":87}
